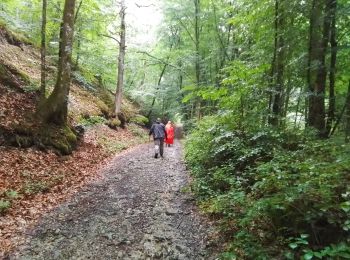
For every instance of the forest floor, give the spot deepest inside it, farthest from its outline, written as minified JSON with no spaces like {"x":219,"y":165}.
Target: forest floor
{"x":36,"y":181}
{"x":137,"y":210}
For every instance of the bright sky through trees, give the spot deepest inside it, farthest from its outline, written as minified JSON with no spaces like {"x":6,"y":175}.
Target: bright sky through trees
{"x":144,"y":16}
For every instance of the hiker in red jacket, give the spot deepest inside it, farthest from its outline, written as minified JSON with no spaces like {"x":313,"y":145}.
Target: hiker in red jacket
{"x":170,"y":130}
{"x":159,"y":134}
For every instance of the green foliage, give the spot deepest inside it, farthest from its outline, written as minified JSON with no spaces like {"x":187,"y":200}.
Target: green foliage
{"x":11,"y":194}
{"x":6,"y":201}
{"x":114,"y":123}
{"x":32,"y":188}
{"x":92,"y":120}
{"x":32,"y":87}
{"x":105,"y":110}
{"x":139,"y":119}
{"x":4,"y":206}
{"x":284,"y":191}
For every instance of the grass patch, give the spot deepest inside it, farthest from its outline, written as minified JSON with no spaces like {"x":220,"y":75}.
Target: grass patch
{"x":35,"y":187}
{"x":87,"y":120}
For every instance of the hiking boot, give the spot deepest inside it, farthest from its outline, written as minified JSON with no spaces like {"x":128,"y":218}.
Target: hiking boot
{"x":156,"y":155}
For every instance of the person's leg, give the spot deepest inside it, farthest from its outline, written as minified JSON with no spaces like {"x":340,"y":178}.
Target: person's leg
{"x":156,"y":147}
{"x":161,"y":147}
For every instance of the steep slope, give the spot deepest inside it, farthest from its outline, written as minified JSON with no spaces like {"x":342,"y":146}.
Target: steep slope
{"x":33,"y":180}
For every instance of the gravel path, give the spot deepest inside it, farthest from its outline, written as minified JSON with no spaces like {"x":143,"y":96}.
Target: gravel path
{"x":138,"y":211}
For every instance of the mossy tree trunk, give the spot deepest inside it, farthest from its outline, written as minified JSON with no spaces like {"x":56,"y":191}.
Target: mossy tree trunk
{"x":55,"y":108}
{"x":121,"y":58}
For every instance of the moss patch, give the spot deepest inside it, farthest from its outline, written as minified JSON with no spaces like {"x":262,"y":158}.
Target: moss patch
{"x":12,"y":76}
{"x":139,"y":119}
{"x":114,"y":123}
{"x":64,"y":139}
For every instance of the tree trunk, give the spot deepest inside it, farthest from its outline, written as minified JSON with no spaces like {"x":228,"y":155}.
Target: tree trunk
{"x":78,"y":49}
{"x":332,"y":68}
{"x":166,"y":64}
{"x":158,"y":86}
{"x":43,"y":52}
{"x":121,"y":58}
{"x":55,"y":108}
{"x":197,"y":65}
{"x":277,"y":67}
{"x":319,"y":37}
{"x":78,"y":36}
{"x":347,"y":116}
{"x":286,"y":99}
{"x":77,"y":12}
{"x":297,"y":108}
{"x":346,"y":108}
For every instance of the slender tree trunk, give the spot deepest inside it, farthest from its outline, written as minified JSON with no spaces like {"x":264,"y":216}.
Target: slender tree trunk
{"x":286,"y":99}
{"x":78,"y":36}
{"x":158,"y":86}
{"x":78,"y":49}
{"x":332,"y":69}
{"x":278,"y":67}
{"x":76,"y":16}
{"x":346,"y":108}
{"x":159,"y":82}
{"x":347,"y":117}
{"x":317,"y":70}
{"x":55,"y":108}
{"x":197,"y":65}
{"x":121,"y":58}
{"x":43,"y":52}
{"x":297,"y":108}
{"x":223,"y":49}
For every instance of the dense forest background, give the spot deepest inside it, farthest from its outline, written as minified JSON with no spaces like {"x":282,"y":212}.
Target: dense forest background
{"x":262,"y":88}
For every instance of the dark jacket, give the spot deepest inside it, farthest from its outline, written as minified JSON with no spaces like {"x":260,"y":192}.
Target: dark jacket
{"x":158,"y":131}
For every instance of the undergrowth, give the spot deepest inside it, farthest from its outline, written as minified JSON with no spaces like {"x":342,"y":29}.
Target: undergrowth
{"x":278,"y":194}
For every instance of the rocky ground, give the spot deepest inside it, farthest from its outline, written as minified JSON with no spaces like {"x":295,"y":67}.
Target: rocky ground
{"x":139,"y":210}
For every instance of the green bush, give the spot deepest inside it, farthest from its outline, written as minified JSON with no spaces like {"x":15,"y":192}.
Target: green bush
{"x":274,"y":186}
{"x":139,"y":119}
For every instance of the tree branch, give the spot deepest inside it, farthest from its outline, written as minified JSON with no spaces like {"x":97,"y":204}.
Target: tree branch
{"x":77,"y":12}
{"x":111,"y":37}
{"x":163,"y":62}
{"x":188,"y":32}
{"x":140,"y":6}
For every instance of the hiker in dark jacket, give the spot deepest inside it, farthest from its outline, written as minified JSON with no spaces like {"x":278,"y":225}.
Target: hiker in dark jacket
{"x":159,"y":134}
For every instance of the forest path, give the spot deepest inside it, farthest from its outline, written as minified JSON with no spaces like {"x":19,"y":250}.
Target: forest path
{"x":138,"y":211}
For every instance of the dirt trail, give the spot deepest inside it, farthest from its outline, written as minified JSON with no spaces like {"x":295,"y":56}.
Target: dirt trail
{"x":138,"y":211}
